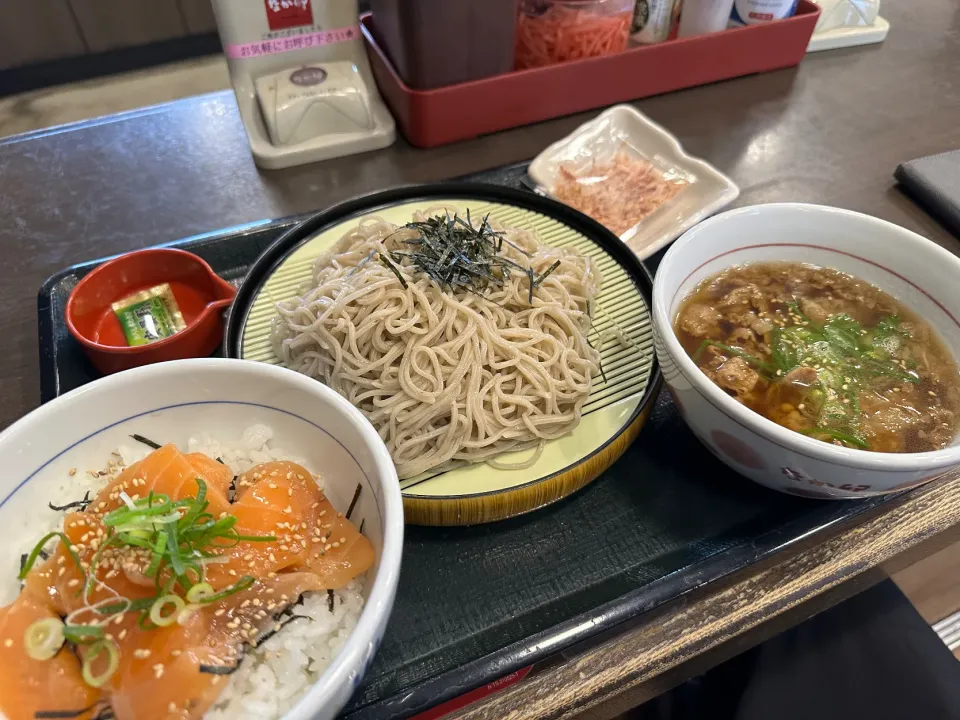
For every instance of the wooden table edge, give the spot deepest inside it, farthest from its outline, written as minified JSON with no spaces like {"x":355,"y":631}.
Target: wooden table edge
{"x":726,"y":617}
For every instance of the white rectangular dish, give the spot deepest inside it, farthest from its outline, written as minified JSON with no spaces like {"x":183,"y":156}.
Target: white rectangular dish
{"x":623,"y":128}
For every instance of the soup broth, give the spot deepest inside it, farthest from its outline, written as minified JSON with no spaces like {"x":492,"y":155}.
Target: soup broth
{"x":824,"y":354}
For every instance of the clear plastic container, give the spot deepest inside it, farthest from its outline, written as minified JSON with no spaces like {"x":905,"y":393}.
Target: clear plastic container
{"x":555,"y":31}
{"x":435,"y":43}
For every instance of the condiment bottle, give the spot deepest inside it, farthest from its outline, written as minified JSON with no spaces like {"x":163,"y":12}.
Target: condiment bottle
{"x":653,"y":20}
{"x":699,"y":17}
{"x":754,"y":12}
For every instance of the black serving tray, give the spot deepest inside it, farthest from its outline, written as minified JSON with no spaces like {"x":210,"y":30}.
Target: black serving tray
{"x":479,"y":603}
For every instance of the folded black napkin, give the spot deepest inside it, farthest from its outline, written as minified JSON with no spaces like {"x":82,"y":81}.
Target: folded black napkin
{"x":934,"y":182}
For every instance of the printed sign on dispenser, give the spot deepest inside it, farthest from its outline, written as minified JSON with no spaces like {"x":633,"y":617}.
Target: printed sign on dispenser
{"x":283,"y":14}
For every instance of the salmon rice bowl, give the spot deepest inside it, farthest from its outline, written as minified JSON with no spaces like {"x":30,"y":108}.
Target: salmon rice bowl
{"x":214,"y":580}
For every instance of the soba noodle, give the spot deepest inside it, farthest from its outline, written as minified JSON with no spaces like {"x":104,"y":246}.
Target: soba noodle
{"x":447,"y":377}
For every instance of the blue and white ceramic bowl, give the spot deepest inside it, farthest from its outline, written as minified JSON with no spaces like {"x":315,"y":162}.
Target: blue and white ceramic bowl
{"x":170,"y":402}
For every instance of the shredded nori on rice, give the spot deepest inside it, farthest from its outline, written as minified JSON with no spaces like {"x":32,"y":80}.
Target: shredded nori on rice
{"x":81,"y":504}
{"x":52,"y":714}
{"x":353,"y":503}
{"x":330,"y":598}
{"x":146,"y":441}
{"x":282,"y":624}
{"x":23,"y":558}
{"x":105,"y":714}
{"x":220,"y":669}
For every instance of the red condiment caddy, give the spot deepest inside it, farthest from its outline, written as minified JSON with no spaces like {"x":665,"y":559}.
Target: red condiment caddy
{"x":449,"y":114}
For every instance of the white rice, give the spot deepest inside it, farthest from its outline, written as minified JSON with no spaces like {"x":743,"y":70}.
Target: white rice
{"x":273,"y":676}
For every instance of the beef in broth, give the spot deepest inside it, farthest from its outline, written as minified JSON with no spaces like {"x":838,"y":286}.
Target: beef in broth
{"x":825,"y":354}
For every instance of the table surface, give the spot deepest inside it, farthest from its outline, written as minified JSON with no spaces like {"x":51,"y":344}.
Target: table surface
{"x":831,"y":131}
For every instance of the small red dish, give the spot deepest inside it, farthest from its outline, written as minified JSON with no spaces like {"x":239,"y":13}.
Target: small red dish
{"x":200,"y":293}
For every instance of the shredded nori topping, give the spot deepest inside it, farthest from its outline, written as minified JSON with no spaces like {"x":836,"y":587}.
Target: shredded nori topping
{"x":353,"y":503}
{"x":52,"y":714}
{"x":219,"y":669}
{"x":282,"y":623}
{"x":457,"y":256}
{"x":146,"y":441}
{"x":23,"y":558}
{"x":81,"y":504}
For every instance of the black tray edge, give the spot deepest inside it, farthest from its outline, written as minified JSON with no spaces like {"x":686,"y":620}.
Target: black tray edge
{"x":617,"y":616}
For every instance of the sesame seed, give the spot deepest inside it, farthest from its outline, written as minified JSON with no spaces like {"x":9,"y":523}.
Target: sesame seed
{"x":172,"y":707}
{"x":8,"y":643}
{"x":71,"y":472}
{"x":288,"y":509}
{"x":122,"y":634}
{"x":141,"y":653}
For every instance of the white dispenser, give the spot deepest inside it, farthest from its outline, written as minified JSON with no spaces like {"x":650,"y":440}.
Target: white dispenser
{"x":844,"y":23}
{"x":302,"y":81}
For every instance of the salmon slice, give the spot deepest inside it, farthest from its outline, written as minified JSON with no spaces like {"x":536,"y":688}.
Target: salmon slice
{"x":215,"y":473}
{"x":165,"y":673}
{"x":28,"y":685}
{"x":160,"y":669}
{"x":168,"y":472}
{"x":282,"y":499}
